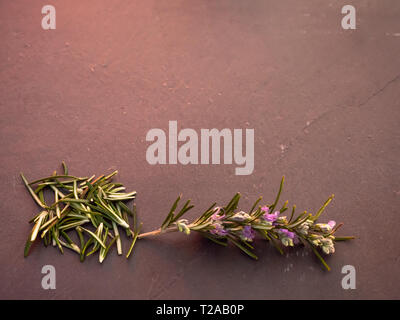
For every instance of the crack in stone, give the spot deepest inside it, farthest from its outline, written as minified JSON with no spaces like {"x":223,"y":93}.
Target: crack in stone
{"x":379,"y":91}
{"x":323,"y":115}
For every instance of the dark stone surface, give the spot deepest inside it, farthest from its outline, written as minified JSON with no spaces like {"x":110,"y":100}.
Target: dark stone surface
{"x":324,"y":103}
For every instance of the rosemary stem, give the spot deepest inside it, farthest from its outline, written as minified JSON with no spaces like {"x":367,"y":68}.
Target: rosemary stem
{"x":157,"y":232}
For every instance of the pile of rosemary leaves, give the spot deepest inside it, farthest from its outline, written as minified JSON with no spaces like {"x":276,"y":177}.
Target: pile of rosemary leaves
{"x":93,"y":208}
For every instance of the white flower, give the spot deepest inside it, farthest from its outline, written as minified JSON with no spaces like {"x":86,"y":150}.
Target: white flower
{"x":324,"y":227}
{"x":182,"y":226}
{"x":303,"y":229}
{"x":282,"y":220}
{"x":316,"y":240}
{"x":287,"y":242}
{"x":328,"y":249}
{"x":240,"y":216}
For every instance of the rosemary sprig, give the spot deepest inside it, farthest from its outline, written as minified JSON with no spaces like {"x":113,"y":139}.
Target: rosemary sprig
{"x":226,"y":224}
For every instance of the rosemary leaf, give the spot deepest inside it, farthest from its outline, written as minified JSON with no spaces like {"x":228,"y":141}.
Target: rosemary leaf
{"x":315,"y":218}
{"x":57,"y":177}
{"x":244,"y":249}
{"x":95,"y":237}
{"x":133,"y":241}
{"x":255,"y":205}
{"x":33,"y":194}
{"x":278,"y":195}
{"x":319,"y":256}
{"x":119,"y":244}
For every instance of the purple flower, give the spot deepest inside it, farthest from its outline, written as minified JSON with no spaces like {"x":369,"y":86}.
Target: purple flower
{"x":216,"y":215}
{"x":271,"y":217}
{"x":265,"y":209}
{"x":288,"y":233}
{"x":293,"y":238}
{"x":248,"y":233}
{"x":218,"y":230}
{"x":332,"y":224}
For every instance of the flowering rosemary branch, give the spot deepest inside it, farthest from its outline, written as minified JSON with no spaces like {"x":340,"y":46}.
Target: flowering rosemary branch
{"x":226,"y":224}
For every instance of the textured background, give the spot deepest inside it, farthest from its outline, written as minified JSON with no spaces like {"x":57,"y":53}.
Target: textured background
{"x":324,"y":103}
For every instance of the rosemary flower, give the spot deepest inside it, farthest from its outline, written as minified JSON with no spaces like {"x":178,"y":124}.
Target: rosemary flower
{"x":304,"y":227}
{"x":182,"y":226}
{"x":324,"y":227}
{"x":240,"y":216}
{"x":281,"y":220}
{"x":287,"y":237}
{"x":332,"y":224}
{"x":271,"y":217}
{"x":216,"y":215}
{"x":265,"y":209}
{"x":248,"y":234}
{"x":287,"y":233}
{"x":218,"y":230}
{"x":327,"y":245}
{"x":315,"y":239}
